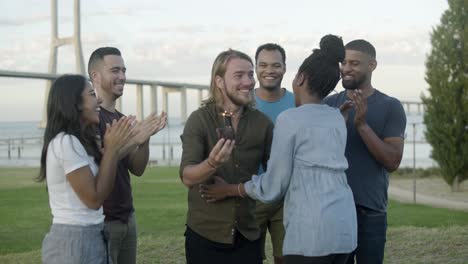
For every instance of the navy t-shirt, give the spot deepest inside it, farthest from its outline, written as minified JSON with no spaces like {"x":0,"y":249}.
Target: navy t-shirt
{"x":367,"y":178}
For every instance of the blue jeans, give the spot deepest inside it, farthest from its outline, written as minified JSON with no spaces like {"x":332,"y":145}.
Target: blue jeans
{"x":372,"y":234}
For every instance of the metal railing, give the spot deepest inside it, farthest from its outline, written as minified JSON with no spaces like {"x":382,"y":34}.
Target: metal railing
{"x":24,"y":147}
{"x":15,"y":148}
{"x":30,"y":148}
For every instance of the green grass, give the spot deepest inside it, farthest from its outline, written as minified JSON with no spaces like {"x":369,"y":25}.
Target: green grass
{"x":403,"y":214}
{"x":417,"y":234}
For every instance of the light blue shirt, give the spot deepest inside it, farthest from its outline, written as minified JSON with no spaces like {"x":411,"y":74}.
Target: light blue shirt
{"x":273,"y":109}
{"x":306,"y":167}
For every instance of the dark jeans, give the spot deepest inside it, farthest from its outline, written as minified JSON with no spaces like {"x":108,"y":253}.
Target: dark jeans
{"x":372,"y":234}
{"x":122,"y":240}
{"x":199,"y":250}
{"x":330,"y":259}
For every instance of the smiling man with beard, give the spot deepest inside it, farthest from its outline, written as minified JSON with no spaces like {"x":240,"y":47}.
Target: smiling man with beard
{"x":107,"y":71}
{"x":376,"y":126}
{"x":225,"y":231}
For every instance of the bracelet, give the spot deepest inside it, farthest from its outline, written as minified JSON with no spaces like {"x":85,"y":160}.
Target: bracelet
{"x":210,"y":164}
{"x":238,"y":189}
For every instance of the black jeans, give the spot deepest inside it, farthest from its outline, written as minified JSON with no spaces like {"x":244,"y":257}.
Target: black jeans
{"x":330,"y":259}
{"x":199,"y":250}
{"x":372,"y":235}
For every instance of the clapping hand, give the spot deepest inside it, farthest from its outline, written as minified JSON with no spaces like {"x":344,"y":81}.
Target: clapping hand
{"x":360,"y":106}
{"x":151,"y":125}
{"x":344,"y":109}
{"x":118,"y":133}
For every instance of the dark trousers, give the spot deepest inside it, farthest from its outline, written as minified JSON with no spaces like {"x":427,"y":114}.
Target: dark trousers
{"x":199,"y":250}
{"x":330,"y":259}
{"x":372,"y":234}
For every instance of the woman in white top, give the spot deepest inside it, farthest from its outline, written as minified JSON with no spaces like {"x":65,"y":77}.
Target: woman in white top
{"x":307,"y":167}
{"x":77,"y":186}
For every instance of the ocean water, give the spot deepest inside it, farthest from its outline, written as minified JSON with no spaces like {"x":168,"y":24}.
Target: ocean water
{"x":165,"y":148}
{"x":21,"y":144}
{"x":416,"y":150}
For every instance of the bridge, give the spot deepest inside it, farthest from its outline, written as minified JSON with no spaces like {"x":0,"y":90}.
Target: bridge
{"x":413,"y":107}
{"x":166,"y":88}
{"x":17,"y":149}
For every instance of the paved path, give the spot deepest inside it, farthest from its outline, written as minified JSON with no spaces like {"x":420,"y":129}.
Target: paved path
{"x":407,"y":196}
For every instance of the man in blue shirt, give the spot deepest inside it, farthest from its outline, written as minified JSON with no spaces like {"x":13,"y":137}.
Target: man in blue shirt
{"x":271,"y":99}
{"x":376,"y":125}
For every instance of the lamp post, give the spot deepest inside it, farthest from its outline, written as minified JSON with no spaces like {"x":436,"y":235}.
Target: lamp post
{"x":414,"y":162}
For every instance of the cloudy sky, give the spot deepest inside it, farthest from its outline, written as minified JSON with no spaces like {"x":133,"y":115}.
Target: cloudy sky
{"x":177,"y":40}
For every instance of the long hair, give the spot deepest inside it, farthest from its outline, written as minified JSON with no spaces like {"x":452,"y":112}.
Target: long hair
{"x":219,"y":69}
{"x":322,"y":67}
{"x":63,"y":115}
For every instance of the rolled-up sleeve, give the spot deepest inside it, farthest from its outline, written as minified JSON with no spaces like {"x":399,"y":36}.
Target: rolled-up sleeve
{"x":272,"y":184}
{"x":193,"y":143}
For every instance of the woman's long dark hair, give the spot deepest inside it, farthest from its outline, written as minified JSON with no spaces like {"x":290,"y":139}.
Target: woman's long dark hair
{"x":63,"y":115}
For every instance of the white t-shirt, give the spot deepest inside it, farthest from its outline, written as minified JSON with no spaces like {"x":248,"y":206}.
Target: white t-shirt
{"x":64,"y":155}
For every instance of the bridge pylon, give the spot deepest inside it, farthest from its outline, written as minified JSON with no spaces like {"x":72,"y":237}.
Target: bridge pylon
{"x":56,"y":42}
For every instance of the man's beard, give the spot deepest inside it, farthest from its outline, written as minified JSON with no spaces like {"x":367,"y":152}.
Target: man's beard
{"x":353,"y":84}
{"x":236,"y":100}
{"x":110,"y":87}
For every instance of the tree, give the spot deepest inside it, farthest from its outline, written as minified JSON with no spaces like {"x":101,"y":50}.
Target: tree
{"x":446,"y":115}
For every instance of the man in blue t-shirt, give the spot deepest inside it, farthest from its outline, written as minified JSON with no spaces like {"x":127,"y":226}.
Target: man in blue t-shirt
{"x":376,"y":126}
{"x":271,"y":99}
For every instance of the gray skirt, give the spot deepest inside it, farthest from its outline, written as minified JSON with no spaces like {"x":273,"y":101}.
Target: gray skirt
{"x":75,"y":245}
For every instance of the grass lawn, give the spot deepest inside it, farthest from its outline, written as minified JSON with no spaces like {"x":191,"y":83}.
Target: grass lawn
{"x":417,"y":234}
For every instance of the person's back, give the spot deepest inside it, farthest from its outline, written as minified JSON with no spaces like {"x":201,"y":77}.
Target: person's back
{"x":318,"y":183}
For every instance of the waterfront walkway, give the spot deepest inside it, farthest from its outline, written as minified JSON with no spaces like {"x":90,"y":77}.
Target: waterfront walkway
{"x":458,"y":201}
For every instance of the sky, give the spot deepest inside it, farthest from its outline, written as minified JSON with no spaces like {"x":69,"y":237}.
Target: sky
{"x":177,"y":40}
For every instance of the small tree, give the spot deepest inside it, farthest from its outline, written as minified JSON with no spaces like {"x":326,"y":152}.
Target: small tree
{"x":446,"y":115}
